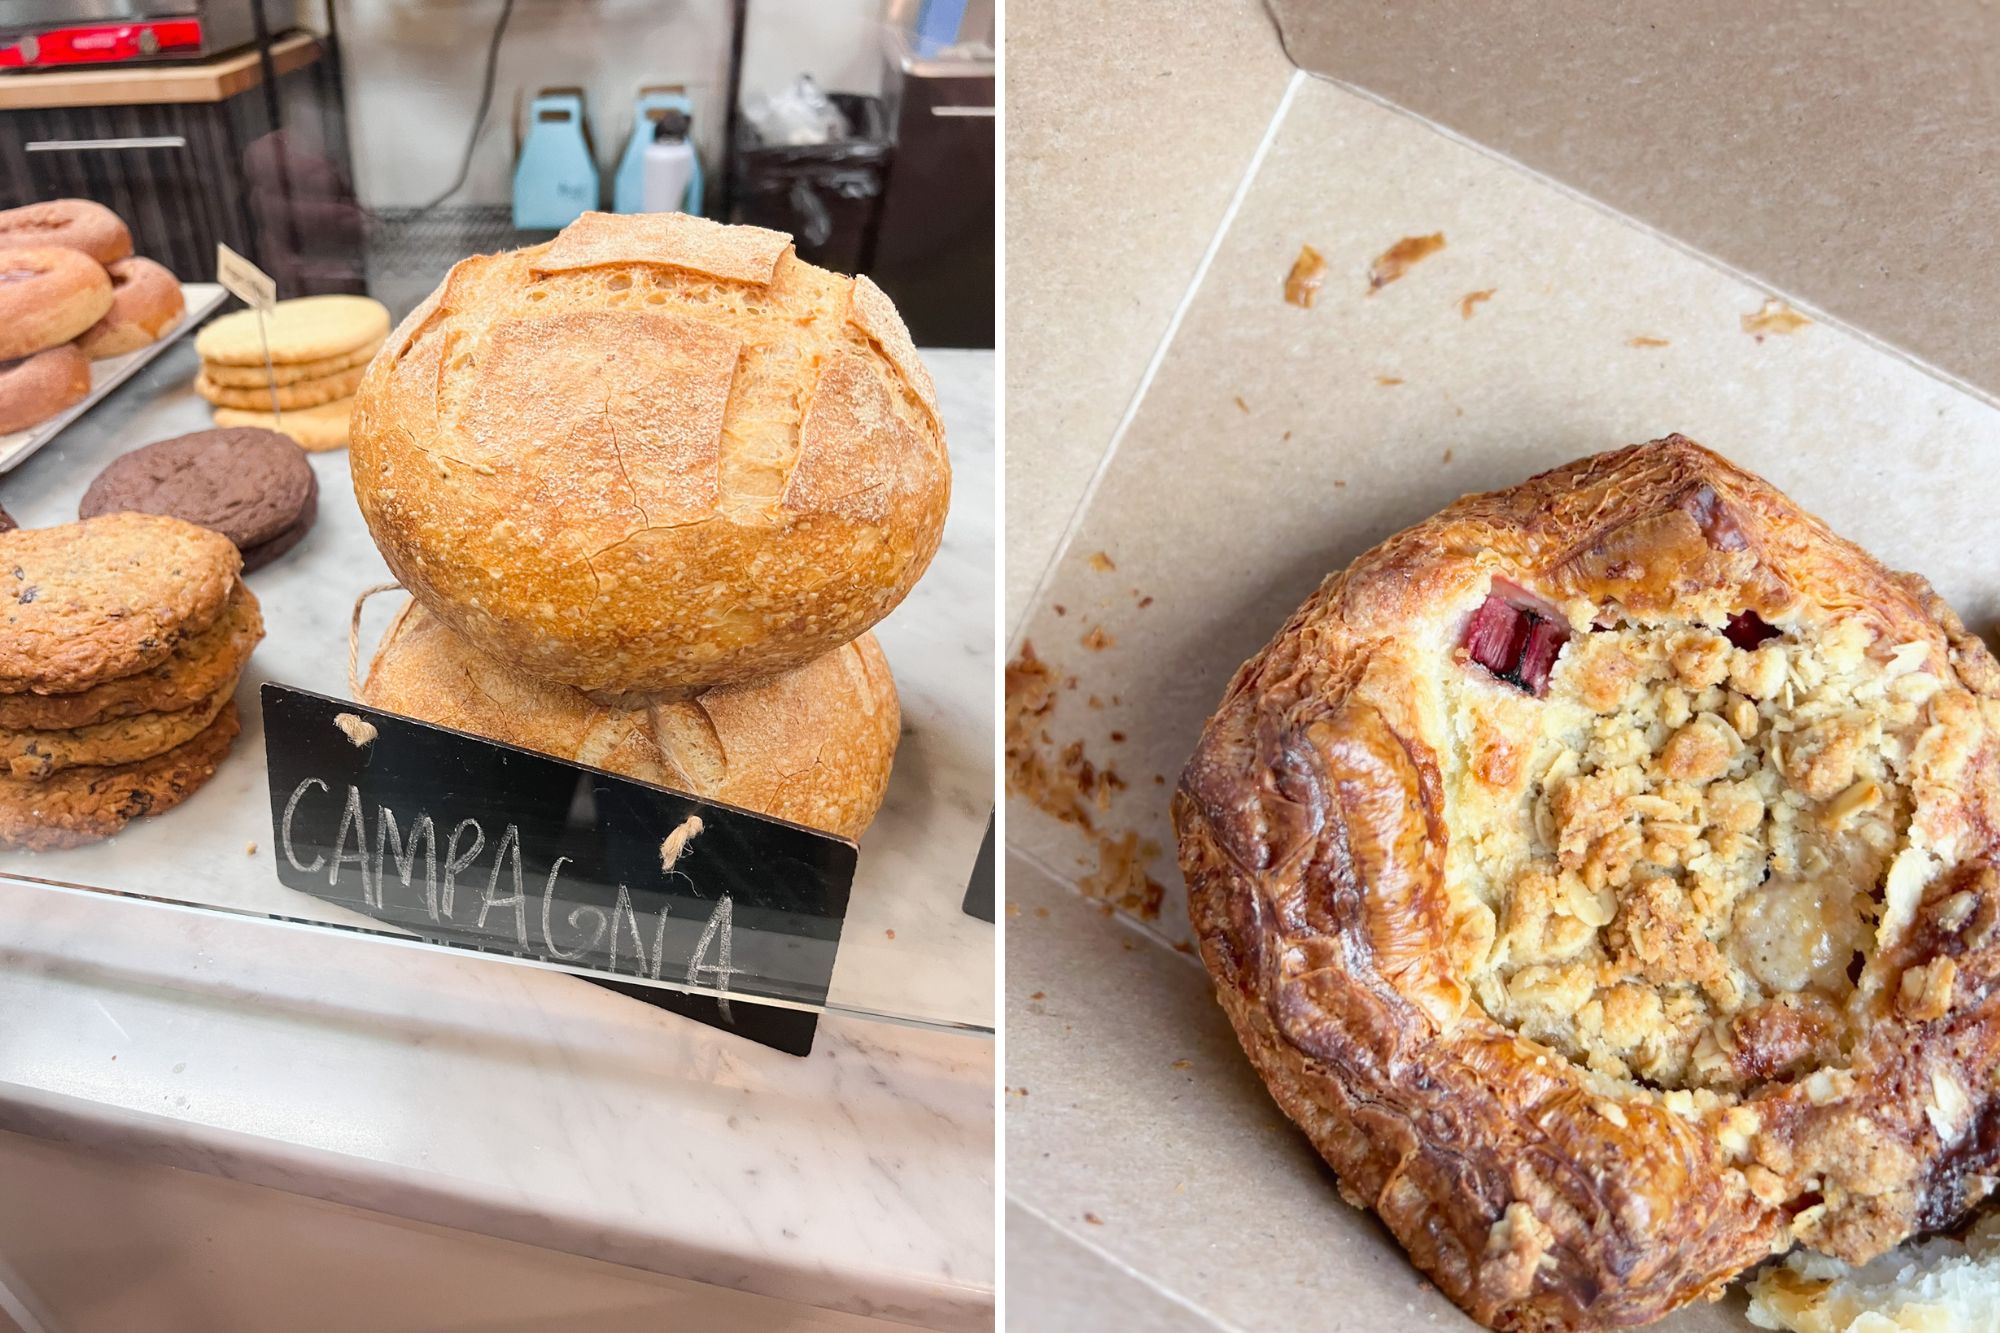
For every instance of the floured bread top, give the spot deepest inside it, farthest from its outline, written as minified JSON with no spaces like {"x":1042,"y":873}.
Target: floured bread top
{"x":1682,"y":847}
{"x":653,"y":456}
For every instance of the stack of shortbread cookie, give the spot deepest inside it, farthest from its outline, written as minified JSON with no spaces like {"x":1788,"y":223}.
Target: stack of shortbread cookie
{"x":121,"y":641}
{"x":319,"y":347}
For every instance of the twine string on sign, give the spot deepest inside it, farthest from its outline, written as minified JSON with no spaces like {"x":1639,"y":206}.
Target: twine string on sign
{"x":675,"y":845}
{"x":354,"y":637}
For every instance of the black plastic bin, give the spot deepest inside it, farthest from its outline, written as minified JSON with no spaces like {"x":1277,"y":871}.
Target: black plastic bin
{"x":826,"y":195}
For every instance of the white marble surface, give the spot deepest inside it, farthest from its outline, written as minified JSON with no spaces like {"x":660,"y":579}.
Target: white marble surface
{"x":508,"y":1101}
{"x":906,"y":950}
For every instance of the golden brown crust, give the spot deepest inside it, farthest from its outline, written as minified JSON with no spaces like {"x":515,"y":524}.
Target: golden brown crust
{"x":83,"y":805}
{"x":39,"y":755}
{"x":653,"y":456}
{"x":296,"y":394}
{"x":47,"y":297}
{"x":599,"y":240}
{"x":146,"y":301}
{"x":257,"y":377}
{"x":195,"y":671}
{"x":37,"y":387}
{"x":73,"y":224}
{"x":91,"y":601}
{"x":1317,"y":823}
{"x":813,"y":745}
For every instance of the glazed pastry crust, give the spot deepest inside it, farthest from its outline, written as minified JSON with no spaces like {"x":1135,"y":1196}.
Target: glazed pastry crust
{"x":1316,"y":821}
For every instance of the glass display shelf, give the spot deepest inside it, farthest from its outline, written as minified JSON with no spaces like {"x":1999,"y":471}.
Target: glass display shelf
{"x":908,"y":953}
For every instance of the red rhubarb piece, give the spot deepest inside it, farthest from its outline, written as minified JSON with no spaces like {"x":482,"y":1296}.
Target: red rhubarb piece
{"x":1538,"y":656}
{"x":1496,"y":634}
{"x":1746,"y":629}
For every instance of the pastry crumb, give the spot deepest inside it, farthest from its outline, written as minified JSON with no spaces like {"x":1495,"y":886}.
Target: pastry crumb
{"x":1183,"y":1064}
{"x":1093,"y":1219}
{"x":1242,"y":406}
{"x":1101,"y":562}
{"x":1302,"y":284}
{"x":1646,"y":340}
{"x":358,"y":730}
{"x":1470,"y":300}
{"x":1774,"y":316}
{"x":1042,"y":912}
{"x":1098,"y":640}
{"x":249,"y":849}
{"x":1388,"y":381}
{"x":1145,"y":602}
{"x":1447,"y":455}
{"x":1039,"y":995}
{"x":889,"y":934}
{"x":1399,"y":258}
{"x":1120,"y":878}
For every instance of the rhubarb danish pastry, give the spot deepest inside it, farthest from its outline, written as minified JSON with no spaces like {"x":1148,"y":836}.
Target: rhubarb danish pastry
{"x":1601,"y":873}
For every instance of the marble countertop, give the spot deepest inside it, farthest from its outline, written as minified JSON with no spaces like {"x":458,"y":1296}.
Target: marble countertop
{"x":517,"y":1102}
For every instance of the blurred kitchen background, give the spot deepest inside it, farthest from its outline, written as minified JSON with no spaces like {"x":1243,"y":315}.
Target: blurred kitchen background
{"x":365,"y":145}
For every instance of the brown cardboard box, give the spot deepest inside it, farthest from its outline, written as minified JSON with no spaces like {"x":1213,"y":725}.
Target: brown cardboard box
{"x":1214,"y":460}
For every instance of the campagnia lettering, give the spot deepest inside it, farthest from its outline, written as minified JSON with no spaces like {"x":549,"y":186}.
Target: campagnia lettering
{"x":504,"y":900}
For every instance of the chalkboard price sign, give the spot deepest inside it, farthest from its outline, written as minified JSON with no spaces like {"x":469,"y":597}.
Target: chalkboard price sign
{"x":471,"y":843}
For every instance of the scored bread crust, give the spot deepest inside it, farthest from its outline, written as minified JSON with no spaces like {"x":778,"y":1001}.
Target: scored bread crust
{"x":813,"y":745}
{"x":652,"y":456}
{"x":1315,"y":820}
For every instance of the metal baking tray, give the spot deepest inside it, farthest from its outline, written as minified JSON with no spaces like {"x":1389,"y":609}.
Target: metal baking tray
{"x":201,"y":298}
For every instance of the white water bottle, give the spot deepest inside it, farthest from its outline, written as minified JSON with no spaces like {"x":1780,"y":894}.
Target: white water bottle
{"x":668,"y":165}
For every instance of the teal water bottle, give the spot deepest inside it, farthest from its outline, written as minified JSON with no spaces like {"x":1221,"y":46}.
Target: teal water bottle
{"x":555,"y":181}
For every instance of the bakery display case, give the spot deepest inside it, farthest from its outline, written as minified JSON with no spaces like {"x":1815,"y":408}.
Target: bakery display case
{"x":619,"y":602}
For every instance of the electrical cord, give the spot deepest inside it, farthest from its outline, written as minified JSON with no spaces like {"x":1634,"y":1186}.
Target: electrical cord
{"x":485,"y":103}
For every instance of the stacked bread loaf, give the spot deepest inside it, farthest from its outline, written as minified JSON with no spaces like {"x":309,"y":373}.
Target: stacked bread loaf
{"x":71,"y":291}
{"x":121,"y":641}
{"x":652,"y":483}
{"x":295,"y":369}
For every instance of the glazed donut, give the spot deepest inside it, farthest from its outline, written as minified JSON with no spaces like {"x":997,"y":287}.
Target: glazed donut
{"x":48,"y":296}
{"x":73,"y":224}
{"x":1605,"y":874}
{"x":37,"y":387}
{"x":145,"y":303}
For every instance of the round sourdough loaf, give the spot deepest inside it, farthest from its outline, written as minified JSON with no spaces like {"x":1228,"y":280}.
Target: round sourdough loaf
{"x":812,"y":745}
{"x":654,"y":455}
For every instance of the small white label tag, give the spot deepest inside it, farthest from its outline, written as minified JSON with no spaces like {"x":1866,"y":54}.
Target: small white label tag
{"x":244,"y":279}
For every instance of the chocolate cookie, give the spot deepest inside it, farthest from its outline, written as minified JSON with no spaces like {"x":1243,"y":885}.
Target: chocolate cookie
{"x":196,"y":670}
{"x":83,"y":603}
{"x":245,"y":483}
{"x":39,"y":755}
{"x":81,"y":805}
{"x":263,"y":553}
